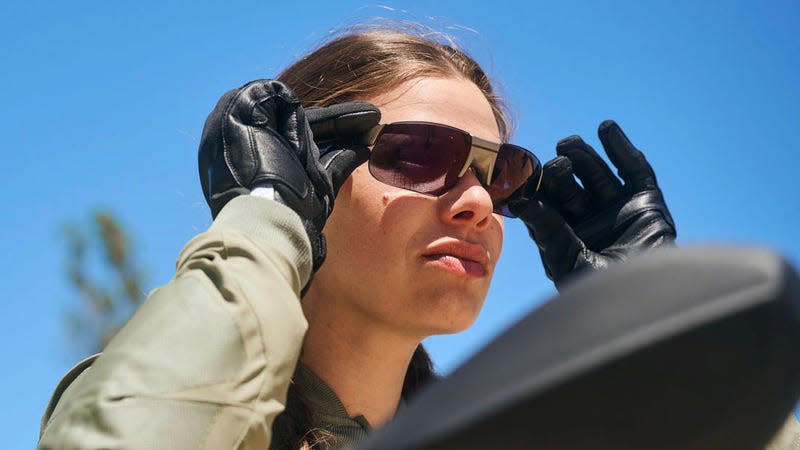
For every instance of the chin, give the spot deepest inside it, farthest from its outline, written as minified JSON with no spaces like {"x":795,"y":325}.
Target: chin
{"x":454,"y":313}
{"x":455,"y":328}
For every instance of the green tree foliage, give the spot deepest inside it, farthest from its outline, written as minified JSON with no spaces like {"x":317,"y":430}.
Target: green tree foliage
{"x":108,"y":280}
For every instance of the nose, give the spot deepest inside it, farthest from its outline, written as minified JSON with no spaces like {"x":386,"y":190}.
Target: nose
{"x":467,"y":203}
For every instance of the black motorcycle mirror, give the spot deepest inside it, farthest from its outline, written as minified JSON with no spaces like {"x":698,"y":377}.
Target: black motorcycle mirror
{"x":691,"y":348}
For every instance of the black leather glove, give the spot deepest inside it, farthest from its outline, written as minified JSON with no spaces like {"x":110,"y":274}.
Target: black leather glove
{"x":259,"y":134}
{"x":578,"y":228}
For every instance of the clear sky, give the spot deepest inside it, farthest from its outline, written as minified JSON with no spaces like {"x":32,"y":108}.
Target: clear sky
{"x":102,"y":104}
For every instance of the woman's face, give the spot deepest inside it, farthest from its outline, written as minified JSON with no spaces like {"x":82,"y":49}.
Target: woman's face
{"x":418,"y":264}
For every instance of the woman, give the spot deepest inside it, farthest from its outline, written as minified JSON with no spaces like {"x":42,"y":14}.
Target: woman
{"x":399,"y":287}
{"x":409,"y":251}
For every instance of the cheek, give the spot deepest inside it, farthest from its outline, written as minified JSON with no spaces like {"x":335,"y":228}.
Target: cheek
{"x":392,"y":211}
{"x":499,"y":232}
{"x":373,"y":222}
{"x":355,"y":214}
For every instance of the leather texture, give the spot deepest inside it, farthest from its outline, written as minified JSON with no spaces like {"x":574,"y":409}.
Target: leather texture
{"x":259,"y":134}
{"x":588,"y":226}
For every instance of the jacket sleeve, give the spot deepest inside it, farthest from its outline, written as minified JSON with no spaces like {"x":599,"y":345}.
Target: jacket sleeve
{"x":788,"y":437}
{"x":206,"y":361}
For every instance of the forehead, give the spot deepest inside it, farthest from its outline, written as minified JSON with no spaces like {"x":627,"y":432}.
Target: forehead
{"x":456,"y":102}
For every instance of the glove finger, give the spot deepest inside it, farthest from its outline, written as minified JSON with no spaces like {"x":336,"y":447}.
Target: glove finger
{"x":631,"y":164}
{"x":337,"y":130}
{"x":339,"y":161}
{"x":558,"y":245}
{"x":279,"y":115}
{"x":560,"y":187}
{"x":283,"y":113}
{"x":342,"y":121}
{"x":251,"y":123}
{"x":598,"y":180}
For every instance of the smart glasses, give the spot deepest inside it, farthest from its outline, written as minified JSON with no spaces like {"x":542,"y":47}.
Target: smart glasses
{"x":429,"y":158}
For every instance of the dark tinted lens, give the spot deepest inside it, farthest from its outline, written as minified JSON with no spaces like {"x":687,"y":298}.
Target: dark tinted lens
{"x":419,"y":157}
{"x":513,"y":168}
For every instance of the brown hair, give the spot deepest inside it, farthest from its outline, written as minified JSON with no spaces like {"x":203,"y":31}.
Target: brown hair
{"x":375,"y":60}
{"x":359,"y":64}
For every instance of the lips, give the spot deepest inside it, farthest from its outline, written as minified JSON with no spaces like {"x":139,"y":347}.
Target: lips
{"x":459,"y":257}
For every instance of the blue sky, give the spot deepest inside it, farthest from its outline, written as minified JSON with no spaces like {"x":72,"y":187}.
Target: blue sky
{"x":103,"y":103}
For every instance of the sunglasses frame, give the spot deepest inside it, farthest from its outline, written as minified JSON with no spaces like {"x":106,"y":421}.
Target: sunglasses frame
{"x":482,"y":153}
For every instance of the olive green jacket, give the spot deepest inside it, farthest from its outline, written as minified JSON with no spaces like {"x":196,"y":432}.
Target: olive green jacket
{"x":206,"y":361}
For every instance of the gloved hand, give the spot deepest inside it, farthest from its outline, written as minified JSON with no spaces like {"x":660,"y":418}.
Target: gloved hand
{"x":578,"y":228}
{"x":259,"y":135}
